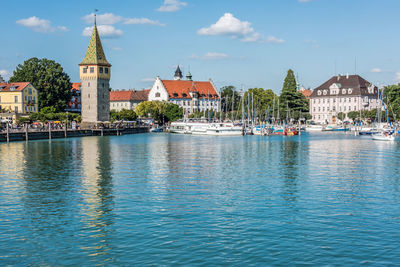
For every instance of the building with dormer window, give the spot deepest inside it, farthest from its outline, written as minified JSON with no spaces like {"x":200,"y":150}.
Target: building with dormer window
{"x":191,"y":95}
{"x":19,"y":98}
{"x":342,"y":94}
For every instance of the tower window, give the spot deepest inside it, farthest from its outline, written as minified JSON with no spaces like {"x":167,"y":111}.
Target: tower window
{"x":91,"y":69}
{"x":85,"y":70}
{"x":101,"y":69}
{"x":106,"y":70}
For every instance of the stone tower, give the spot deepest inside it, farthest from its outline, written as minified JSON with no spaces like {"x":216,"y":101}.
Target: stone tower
{"x":95,"y":72}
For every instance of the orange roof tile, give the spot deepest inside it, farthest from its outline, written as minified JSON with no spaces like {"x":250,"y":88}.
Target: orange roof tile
{"x":181,"y":89}
{"x":76,"y":86}
{"x":306,"y":92}
{"x":6,"y":87}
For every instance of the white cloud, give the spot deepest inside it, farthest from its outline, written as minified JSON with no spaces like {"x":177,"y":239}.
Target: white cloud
{"x":106,"y":18}
{"x":210,"y":56}
{"x":171,"y":6}
{"x":143,"y":21}
{"x":376,"y":70}
{"x":5,"y":74}
{"x":40,"y":25}
{"x":397,"y":78}
{"x":147,"y":80}
{"x":230,"y":26}
{"x":106,"y":31}
{"x":274,"y":40}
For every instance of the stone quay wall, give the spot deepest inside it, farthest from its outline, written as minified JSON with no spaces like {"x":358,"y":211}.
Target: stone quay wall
{"x":56,"y":134}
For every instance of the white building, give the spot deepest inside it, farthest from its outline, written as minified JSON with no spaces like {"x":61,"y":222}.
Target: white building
{"x":342,"y":94}
{"x":127,"y":99}
{"x":190,"y":95}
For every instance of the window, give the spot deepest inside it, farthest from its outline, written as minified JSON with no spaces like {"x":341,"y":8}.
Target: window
{"x":334,"y":109}
{"x":30,"y":91}
{"x":88,"y":95}
{"x":101,"y":69}
{"x":355,"y":108}
{"x":88,"y":84}
{"x":16,"y":109}
{"x":85,"y":70}
{"x":34,"y":109}
{"x":323,"y":108}
{"x":157,"y":94}
{"x":26,"y":98}
{"x":91,"y":69}
{"x":349,"y":108}
{"x":344,"y":100}
{"x":314,"y":109}
{"x":344,"y":108}
{"x":106,"y":70}
{"x":15,"y":99}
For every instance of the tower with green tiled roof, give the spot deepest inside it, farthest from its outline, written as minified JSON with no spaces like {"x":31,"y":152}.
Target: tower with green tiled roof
{"x":95,"y":73}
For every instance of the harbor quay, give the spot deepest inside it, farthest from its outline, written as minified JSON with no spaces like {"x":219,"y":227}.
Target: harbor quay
{"x":29,"y":134}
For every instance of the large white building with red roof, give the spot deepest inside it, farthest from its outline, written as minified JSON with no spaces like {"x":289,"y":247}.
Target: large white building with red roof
{"x":191,"y":95}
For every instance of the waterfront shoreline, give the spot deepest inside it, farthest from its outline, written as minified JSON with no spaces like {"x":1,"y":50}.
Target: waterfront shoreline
{"x":57,"y":134}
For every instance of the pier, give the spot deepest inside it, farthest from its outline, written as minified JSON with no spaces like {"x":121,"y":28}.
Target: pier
{"x":25,"y":135}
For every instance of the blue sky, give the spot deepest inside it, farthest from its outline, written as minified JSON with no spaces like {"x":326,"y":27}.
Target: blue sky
{"x":243,"y":43}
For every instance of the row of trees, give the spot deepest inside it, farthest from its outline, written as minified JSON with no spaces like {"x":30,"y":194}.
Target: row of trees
{"x":257,"y":102}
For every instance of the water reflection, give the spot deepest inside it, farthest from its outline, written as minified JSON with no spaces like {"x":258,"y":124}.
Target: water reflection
{"x":290,"y":168}
{"x":98,"y":198}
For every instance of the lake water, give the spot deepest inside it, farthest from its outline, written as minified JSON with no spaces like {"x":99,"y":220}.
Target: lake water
{"x":163,"y":199}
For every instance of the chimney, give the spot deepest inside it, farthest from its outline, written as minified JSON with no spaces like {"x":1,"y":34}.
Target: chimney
{"x":338,"y":77}
{"x":347,"y":76}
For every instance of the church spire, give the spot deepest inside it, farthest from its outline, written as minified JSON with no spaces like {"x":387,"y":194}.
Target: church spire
{"x":95,"y":53}
{"x":178,"y":74}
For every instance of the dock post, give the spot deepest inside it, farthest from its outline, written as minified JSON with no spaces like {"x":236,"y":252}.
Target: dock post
{"x":26,"y":132}
{"x":8,"y":133}
{"x":49,"y":124}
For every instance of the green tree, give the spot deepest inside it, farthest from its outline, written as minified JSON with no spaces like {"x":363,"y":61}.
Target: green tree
{"x":260,"y":100}
{"x":49,"y":79}
{"x":290,"y":99}
{"x":353,"y":115}
{"x":392,"y":99}
{"x":127,"y":115}
{"x":227,"y":94}
{"x":341,"y":116}
{"x":172,"y":112}
{"x":160,"y":111}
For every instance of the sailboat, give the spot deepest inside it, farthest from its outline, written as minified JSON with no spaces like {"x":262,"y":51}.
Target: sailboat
{"x":386,"y":135}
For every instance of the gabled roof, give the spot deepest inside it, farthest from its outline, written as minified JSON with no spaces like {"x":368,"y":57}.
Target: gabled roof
{"x":181,"y":89}
{"x":358,"y":85}
{"x":95,"y":53}
{"x":8,"y":87}
{"x":129,"y":95}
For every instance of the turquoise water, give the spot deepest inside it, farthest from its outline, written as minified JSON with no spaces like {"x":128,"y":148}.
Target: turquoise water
{"x":160,"y":199}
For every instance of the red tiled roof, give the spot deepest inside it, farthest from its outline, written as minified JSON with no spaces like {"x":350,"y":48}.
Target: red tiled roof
{"x":141,"y":95}
{"x":5,"y":87}
{"x":76,"y":86}
{"x":306,"y":93}
{"x":129,"y":95}
{"x":181,"y":89}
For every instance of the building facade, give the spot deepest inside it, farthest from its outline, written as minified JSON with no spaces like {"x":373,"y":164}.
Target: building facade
{"x":127,"y":99}
{"x":74,"y":105}
{"x":20,"y":98}
{"x":342,"y":94}
{"x":191,"y":95}
{"x":95,"y":73}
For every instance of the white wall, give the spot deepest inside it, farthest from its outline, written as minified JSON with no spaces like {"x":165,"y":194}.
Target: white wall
{"x":158,"y":87}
